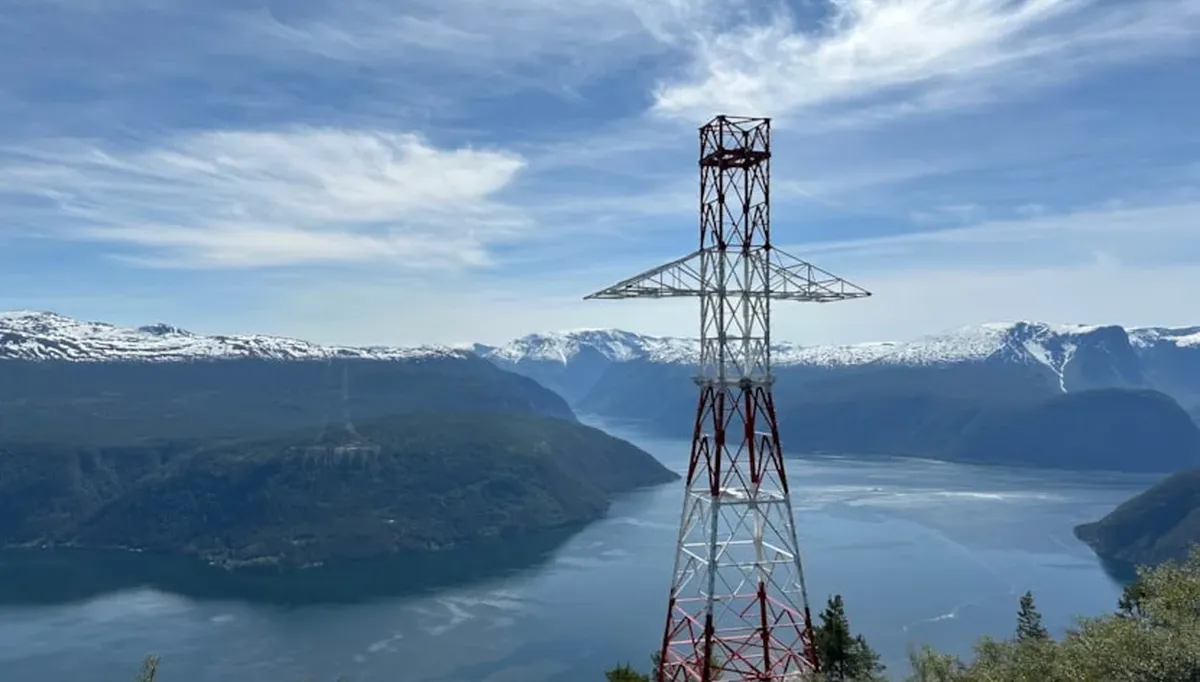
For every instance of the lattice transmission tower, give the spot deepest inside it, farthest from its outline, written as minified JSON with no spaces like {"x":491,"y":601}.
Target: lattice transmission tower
{"x":738,"y":607}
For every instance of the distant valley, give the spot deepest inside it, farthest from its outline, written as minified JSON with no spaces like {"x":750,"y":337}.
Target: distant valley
{"x":100,"y":426}
{"x":1027,"y":394}
{"x":1069,"y":397}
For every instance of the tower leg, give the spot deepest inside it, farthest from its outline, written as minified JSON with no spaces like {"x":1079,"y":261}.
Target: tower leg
{"x":738,"y":607}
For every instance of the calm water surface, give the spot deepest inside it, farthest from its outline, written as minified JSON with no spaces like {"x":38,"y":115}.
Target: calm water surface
{"x":922,"y":551}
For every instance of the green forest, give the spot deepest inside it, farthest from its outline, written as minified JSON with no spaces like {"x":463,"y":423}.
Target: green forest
{"x":409,"y":482}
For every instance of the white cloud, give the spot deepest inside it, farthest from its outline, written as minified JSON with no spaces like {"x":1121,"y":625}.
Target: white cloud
{"x":499,"y":39}
{"x":893,"y":57}
{"x":242,"y":199}
{"x":1126,"y":266}
{"x":311,"y":196}
{"x":1150,"y":234}
{"x":905,"y":306}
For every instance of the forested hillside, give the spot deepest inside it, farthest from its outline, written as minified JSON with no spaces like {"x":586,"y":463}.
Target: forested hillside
{"x":1158,"y":525}
{"x":95,"y":403}
{"x":257,"y":451}
{"x":415,"y":482}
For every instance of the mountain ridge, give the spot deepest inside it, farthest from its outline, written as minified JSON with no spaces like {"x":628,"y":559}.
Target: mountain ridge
{"x":965,"y":343}
{"x":100,"y":383}
{"x":1073,"y":356}
{"x":45,"y":335}
{"x":987,"y":393}
{"x":42,"y":335}
{"x":1068,"y":396}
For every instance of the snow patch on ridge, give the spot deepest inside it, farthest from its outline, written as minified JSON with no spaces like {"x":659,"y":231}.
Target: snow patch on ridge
{"x":1182,"y":337}
{"x":33,"y":335}
{"x":1052,"y":346}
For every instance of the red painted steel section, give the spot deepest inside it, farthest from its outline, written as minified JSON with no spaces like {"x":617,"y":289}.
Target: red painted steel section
{"x":781,"y":637}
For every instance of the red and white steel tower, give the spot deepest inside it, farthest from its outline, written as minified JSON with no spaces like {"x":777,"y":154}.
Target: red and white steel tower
{"x":738,"y":608}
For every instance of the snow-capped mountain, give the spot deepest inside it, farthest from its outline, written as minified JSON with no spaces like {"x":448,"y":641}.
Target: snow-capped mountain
{"x":1072,"y":356}
{"x":31,"y":335}
{"x":1007,"y":393}
{"x":1051,"y":345}
{"x":612,"y":344}
{"x":1179,"y":337}
{"x":1004,"y":392}
{"x":571,"y":363}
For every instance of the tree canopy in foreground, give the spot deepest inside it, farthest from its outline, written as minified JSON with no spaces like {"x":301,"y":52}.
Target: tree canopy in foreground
{"x":1153,"y":636}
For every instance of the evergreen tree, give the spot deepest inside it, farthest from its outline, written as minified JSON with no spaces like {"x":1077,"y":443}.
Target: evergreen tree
{"x":833,"y":640}
{"x":841,"y":654}
{"x":1029,"y":621}
{"x":867,"y":665}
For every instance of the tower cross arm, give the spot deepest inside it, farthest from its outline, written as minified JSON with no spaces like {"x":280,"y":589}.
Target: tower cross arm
{"x":681,"y":277}
{"x":792,"y":279}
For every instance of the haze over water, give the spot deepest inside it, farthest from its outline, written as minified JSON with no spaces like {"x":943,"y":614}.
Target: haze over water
{"x":922,"y":551}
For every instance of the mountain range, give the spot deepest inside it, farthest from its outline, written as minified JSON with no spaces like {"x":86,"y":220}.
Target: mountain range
{"x":100,"y":424}
{"x":260,"y":452}
{"x":45,"y":336}
{"x":1076,"y":357}
{"x":1068,"y":396}
{"x":1025,"y":393}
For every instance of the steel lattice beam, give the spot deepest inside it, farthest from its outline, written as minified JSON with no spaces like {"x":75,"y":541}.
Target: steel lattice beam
{"x":788,"y":279}
{"x":738,"y":607}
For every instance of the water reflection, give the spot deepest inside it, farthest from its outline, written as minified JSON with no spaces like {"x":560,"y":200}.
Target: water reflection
{"x":1119,"y":571}
{"x":41,"y":577}
{"x":922,"y":552}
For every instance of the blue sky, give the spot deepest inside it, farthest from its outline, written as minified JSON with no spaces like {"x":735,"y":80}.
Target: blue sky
{"x":363,"y":171}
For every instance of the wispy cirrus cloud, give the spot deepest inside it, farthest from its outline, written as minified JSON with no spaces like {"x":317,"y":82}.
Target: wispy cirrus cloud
{"x":483,"y":164}
{"x":1145,"y":235}
{"x":463,"y":32}
{"x":492,"y":48}
{"x":255,"y":199}
{"x":1116,"y":264}
{"x":877,"y":59}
